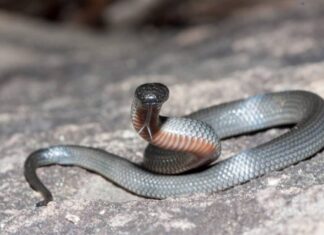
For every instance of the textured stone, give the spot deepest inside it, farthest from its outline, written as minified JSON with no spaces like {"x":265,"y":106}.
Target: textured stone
{"x":61,"y":86}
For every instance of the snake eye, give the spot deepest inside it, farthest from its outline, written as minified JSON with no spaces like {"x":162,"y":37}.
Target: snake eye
{"x":152,"y":93}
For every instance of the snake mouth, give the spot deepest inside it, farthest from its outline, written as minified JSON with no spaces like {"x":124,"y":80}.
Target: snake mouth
{"x":152,"y":94}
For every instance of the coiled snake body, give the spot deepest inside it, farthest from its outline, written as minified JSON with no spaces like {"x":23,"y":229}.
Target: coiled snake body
{"x":179,"y":145}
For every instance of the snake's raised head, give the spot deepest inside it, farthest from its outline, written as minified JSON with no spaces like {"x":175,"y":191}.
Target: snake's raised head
{"x":152,"y":94}
{"x":148,"y":100}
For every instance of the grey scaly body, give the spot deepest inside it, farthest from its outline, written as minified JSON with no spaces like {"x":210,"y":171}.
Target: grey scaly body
{"x":306,"y":138}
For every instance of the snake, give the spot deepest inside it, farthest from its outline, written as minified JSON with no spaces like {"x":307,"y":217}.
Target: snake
{"x":182,"y":153}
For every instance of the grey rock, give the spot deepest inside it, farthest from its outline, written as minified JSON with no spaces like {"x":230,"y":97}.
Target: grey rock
{"x":63,"y":86}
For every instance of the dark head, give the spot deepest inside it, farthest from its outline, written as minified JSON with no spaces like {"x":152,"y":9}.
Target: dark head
{"x":152,"y":94}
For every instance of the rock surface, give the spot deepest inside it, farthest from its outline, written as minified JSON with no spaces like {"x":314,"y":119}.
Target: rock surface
{"x":62,"y":86}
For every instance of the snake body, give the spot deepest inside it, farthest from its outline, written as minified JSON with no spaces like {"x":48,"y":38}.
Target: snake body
{"x":180,"y":147}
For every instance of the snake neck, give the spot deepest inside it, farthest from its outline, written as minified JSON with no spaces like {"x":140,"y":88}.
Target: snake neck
{"x":174,"y":133}
{"x":146,"y":120}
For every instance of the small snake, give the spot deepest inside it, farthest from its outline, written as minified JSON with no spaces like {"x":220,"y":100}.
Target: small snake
{"x":178,"y":159}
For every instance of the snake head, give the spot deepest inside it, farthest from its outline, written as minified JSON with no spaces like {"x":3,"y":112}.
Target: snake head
{"x":152,"y":94}
{"x":148,"y":100}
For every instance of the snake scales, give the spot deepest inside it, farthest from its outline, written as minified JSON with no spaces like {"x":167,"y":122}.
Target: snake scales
{"x":180,"y":148}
